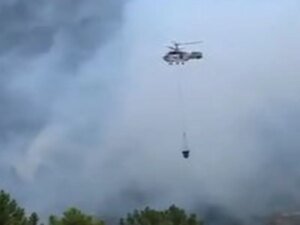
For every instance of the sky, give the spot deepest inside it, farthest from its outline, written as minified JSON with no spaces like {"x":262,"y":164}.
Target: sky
{"x":90,"y":114}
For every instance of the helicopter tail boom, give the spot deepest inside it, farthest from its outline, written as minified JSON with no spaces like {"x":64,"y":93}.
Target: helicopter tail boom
{"x":196,"y":55}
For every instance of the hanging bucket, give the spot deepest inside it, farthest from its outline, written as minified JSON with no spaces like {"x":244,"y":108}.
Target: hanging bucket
{"x":185,"y":154}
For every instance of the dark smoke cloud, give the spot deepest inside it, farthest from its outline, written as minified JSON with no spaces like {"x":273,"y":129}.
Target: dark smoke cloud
{"x":49,"y":97}
{"x":30,"y":28}
{"x":64,"y":143}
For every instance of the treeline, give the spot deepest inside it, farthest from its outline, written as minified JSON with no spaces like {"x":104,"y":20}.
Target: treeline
{"x":12,"y":214}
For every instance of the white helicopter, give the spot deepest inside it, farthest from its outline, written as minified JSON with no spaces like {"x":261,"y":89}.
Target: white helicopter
{"x":178,"y":56}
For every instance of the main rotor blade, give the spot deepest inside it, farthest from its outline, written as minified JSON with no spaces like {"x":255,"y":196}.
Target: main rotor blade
{"x":175,"y":48}
{"x":190,"y":43}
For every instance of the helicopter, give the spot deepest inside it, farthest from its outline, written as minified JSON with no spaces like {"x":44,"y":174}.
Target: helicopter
{"x":177,"y":56}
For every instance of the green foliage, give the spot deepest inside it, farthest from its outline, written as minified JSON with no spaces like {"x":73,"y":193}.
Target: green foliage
{"x":33,"y":219}
{"x":12,"y":214}
{"x":74,"y":216}
{"x":171,"y":216}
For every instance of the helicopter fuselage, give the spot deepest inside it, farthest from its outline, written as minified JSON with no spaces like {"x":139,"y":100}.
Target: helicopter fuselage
{"x":180,"y":57}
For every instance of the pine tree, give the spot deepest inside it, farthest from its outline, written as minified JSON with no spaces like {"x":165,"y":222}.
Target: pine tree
{"x":172,"y":216}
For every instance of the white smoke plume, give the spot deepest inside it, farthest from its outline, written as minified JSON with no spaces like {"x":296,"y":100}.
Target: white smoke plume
{"x":90,"y":114}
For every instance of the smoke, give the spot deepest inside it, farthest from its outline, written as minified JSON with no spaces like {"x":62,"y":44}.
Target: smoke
{"x":241,"y":105}
{"x":56,"y":92}
{"x":90,"y":113}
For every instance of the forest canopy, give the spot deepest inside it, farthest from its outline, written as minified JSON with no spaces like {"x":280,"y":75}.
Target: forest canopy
{"x":12,"y":214}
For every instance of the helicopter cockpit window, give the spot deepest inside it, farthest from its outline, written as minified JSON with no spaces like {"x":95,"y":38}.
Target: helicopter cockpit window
{"x":173,"y":53}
